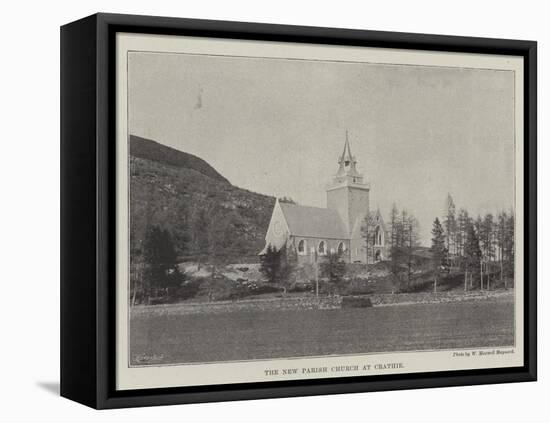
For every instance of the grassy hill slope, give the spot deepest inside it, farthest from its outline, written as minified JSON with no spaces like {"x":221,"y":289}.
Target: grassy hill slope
{"x":209,"y":218}
{"x":152,"y":150}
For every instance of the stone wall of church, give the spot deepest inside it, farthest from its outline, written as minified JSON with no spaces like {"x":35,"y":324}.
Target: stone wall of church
{"x":306,"y":247}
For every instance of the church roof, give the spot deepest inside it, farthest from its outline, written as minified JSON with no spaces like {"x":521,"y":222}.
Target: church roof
{"x":313,"y":222}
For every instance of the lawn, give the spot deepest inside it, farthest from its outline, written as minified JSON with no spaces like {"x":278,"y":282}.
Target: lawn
{"x":248,"y":335}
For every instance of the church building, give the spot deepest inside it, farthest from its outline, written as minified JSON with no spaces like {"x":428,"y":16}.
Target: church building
{"x":313,"y":231}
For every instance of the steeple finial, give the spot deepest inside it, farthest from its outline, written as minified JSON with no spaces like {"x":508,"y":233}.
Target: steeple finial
{"x":346,"y":157}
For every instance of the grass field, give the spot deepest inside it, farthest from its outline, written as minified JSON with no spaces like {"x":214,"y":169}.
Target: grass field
{"x":247,"y":335}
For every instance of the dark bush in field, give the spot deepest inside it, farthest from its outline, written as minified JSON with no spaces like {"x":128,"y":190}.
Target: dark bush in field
{"x":356,"y":302}
{"x":189,"y":289}
{"x":356,"y":286}
{"x":308,"y":286}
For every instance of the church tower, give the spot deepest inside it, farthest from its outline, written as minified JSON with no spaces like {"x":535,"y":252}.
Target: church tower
{"x":349,"y":196}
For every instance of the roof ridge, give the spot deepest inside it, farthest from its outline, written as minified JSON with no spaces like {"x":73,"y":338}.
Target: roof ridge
{"x":305,"y":206}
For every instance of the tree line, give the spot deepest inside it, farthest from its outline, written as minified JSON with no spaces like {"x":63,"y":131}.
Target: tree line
{"x":482,"y":247}
{"x":211,"y":242}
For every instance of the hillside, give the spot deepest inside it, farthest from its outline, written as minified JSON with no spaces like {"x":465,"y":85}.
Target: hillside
{"x":209,"y":218}
{"x":152,"y":150}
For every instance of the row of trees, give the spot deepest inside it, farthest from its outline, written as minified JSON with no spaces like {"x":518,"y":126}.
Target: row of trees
{"x":154,"y":266}
{"x":403,"y":242}
{"x":210,"y":233}
{"x":480,"y":247}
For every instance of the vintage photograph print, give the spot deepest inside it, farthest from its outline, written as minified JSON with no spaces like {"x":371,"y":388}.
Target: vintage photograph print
{"x":295,"y":212}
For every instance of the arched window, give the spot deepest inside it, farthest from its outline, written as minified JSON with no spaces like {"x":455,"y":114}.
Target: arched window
{"x":302,"y":247}
{"x":341,"y":248}
{"x":322,"y":248}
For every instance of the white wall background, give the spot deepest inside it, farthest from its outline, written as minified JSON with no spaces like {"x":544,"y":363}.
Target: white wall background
{"x":29,"y":240}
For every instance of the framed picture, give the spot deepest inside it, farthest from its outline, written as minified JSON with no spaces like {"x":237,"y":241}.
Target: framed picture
{"x":258,"y":211}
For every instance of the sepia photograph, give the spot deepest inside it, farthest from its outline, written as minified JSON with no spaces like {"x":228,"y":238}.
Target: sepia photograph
{"x":284,"y":208}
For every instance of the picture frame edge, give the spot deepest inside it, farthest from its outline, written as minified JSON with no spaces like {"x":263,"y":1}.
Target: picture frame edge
{"x":88,"y":332}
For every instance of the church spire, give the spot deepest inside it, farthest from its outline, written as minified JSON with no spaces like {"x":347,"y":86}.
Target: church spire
{"x":346,"y":156}
{"x":347,"y":163}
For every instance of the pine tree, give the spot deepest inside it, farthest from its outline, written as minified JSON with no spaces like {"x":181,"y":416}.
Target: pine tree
{"x":395,"y":249}
{"x":394,"y":226}
{"x":472,"y":252}
{"x":463,"y":221}
{"x":487,"y":244}
{"x":450,"y":225}
{"x":403,"y":242}
{"x":333,"y":268}
{"x":438,"y":249}
{"x":505,"y":245}
{"x":368,"y":234}
{"x":510,"y":245}
{"x":410,"y":245}
{"x":270,"y":264}
{"x":403,"y":229}
{"x":501,"y":242}
{"x":161,"y":262}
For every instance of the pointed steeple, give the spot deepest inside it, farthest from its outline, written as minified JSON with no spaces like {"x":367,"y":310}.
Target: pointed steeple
{"x":347,"y":163}
{"x":346,"y":156}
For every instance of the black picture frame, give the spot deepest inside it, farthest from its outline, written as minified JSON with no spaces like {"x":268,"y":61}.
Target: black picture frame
{"x":88,"y":209}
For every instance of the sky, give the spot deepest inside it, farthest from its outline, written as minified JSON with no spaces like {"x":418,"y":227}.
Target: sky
{"x":277,"y":127}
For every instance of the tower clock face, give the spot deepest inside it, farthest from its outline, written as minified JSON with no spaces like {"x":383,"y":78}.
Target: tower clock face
{"x":277,"y":229}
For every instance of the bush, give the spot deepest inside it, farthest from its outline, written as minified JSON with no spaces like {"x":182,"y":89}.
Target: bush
{"x":308,"y":286}
{"x":187,"y":290}
{"x":356,"y":302}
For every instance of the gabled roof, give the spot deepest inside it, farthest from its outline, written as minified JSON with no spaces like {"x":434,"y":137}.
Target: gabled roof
{"x":313,"y":222}
{"x":380,"y":220}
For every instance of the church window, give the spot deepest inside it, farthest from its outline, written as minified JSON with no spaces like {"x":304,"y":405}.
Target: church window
{"x":341,"y":248}
{"x":322,"y":249}
{"x":302,"y":247}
